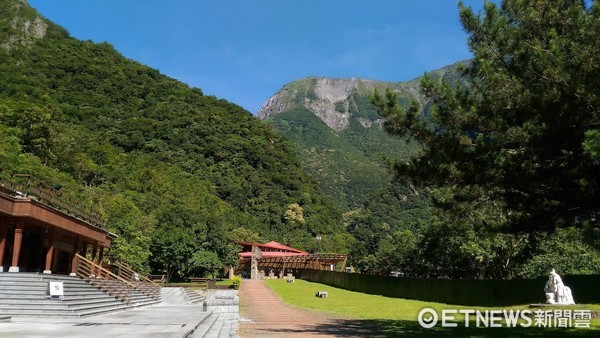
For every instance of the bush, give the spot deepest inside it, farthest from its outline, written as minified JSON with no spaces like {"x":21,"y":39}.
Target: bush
{"x":237,"y":280}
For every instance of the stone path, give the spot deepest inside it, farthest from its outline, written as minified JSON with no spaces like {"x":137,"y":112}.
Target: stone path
{"x":262,"y":313}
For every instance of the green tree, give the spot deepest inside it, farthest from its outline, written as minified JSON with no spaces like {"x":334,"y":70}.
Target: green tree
{"x":171,"y":247}
{"x":179,"y":235}
{"x":515,"y":148}
{"x":566,"y":251}
{"x":205,"y":263}
{"x":242,"y":234}
{"x":36,"y":128}
{"x":133,"y":230}
{"x":395,"y":252}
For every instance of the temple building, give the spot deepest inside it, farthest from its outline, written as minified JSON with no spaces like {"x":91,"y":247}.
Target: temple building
{"x":39,"y":232}
{"x":275,"y":260}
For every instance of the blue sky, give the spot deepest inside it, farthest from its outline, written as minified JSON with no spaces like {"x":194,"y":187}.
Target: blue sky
{"x":246,"y":50}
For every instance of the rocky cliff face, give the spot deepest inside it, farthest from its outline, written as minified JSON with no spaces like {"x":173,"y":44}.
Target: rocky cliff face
{"x":25,"y":25}
{"x":332,"y":100}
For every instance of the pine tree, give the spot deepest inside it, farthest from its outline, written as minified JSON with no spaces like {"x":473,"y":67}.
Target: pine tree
{"x":515,"y":146}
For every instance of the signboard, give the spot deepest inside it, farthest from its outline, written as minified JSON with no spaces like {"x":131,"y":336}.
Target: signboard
{"x":56,"y":289}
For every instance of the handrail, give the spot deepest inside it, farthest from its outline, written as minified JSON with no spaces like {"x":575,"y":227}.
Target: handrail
{"x":129,"y":273}
{"x":143,"y":283}
{"x":98,"y":276}
{"x":33,"y":187}
{"x":104,"y":272}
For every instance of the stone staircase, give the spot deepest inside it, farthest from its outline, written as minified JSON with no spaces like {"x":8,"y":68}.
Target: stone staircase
{"x":25,"y":295}
{"x":131,"y":297}
{"x":193,"y":296}
{"x":222,"y":322}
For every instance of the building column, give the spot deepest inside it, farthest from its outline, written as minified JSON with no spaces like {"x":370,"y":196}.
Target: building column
{"x":94,"y":251}
{"x":17,"y":247}
{"x":84,"y":250}
{"x":50,"y":251}
{"x":3,"y":230}
{"x":100,"y":256}
{"x":74,"y":258}
{"x":254,"y":263}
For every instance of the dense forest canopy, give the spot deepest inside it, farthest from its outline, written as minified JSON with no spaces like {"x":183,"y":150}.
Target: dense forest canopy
{"x":174,"y":172}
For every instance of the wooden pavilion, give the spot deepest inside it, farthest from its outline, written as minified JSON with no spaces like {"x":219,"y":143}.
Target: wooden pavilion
{"x":275,"y":259}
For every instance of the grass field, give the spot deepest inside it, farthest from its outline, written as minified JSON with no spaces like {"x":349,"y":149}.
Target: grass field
{"x":396,"y":315}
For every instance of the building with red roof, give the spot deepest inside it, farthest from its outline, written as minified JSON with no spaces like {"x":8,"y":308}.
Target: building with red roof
{"x":274,"y":260}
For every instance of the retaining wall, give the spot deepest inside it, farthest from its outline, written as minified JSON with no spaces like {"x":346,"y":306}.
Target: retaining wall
{"x":475,"y":292}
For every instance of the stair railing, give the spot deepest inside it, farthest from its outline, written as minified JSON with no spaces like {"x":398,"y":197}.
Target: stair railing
{"x":144,"y":284}
{"x":104,"y":279}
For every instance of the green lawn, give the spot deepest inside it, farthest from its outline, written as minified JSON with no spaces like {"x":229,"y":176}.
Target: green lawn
{"x":395,"y":315}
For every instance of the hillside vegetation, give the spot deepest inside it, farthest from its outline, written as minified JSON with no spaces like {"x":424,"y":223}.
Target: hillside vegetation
{"x":174,"y":172}
{"x":338,"y":135}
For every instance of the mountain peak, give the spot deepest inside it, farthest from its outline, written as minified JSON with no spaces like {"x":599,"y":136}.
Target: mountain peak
{"x":21,"y":24}
{"x":326,"y":97}
{"x":336,"y":101}
{"x":332,"y":100}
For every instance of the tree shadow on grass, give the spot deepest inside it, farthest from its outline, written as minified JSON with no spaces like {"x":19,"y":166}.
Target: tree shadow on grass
{"x":404,"y":328}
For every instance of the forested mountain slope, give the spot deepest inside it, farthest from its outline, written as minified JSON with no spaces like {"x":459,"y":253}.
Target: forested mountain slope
{"x":174,"y":172}
{"x":338,"y":134}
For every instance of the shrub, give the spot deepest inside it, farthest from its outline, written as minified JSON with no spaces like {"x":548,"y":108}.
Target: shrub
{"x":237,"y":280}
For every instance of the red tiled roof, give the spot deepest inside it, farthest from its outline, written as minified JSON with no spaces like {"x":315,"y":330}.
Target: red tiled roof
{"x":269,"y":254}
{"x":280,"y":246}
{"x":285,"y":250}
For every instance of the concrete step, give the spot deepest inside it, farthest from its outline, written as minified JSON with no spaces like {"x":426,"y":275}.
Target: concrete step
{"x":205,"y":326}
{"x":4,"y":308}
{"x":17,"y":277}
{"x":85,"y":293}
{"x":25,"y":276}
{"x":97,"y":312}
{"x":90,"y":298}
{"x":216,"y":328}
{"x":68,"y":315}
{"x":77,"y":286}
{"x":35,"y":312}
{"x":225,"y":329}
{"x":8,"y":293}
{"x":96,"y":307}
{"x":193,"y":296}
{"x":46,"y":300}
{"x":62,"y":311}
{"x":91,"y":302}
{"x":37,"y":288}
{"x":25,"y":295}
{"x":145,"y":303}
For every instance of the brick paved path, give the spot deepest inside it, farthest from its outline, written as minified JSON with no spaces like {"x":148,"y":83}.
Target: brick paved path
{"x":262,"y":314}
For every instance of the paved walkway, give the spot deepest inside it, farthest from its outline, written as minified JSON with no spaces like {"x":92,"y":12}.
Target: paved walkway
{"x":152,"y":321}
{"x":174,"y":317}
{"x":262,"y":313}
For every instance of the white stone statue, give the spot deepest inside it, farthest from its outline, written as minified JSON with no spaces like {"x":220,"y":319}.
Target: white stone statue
{"x":556,"y":291}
